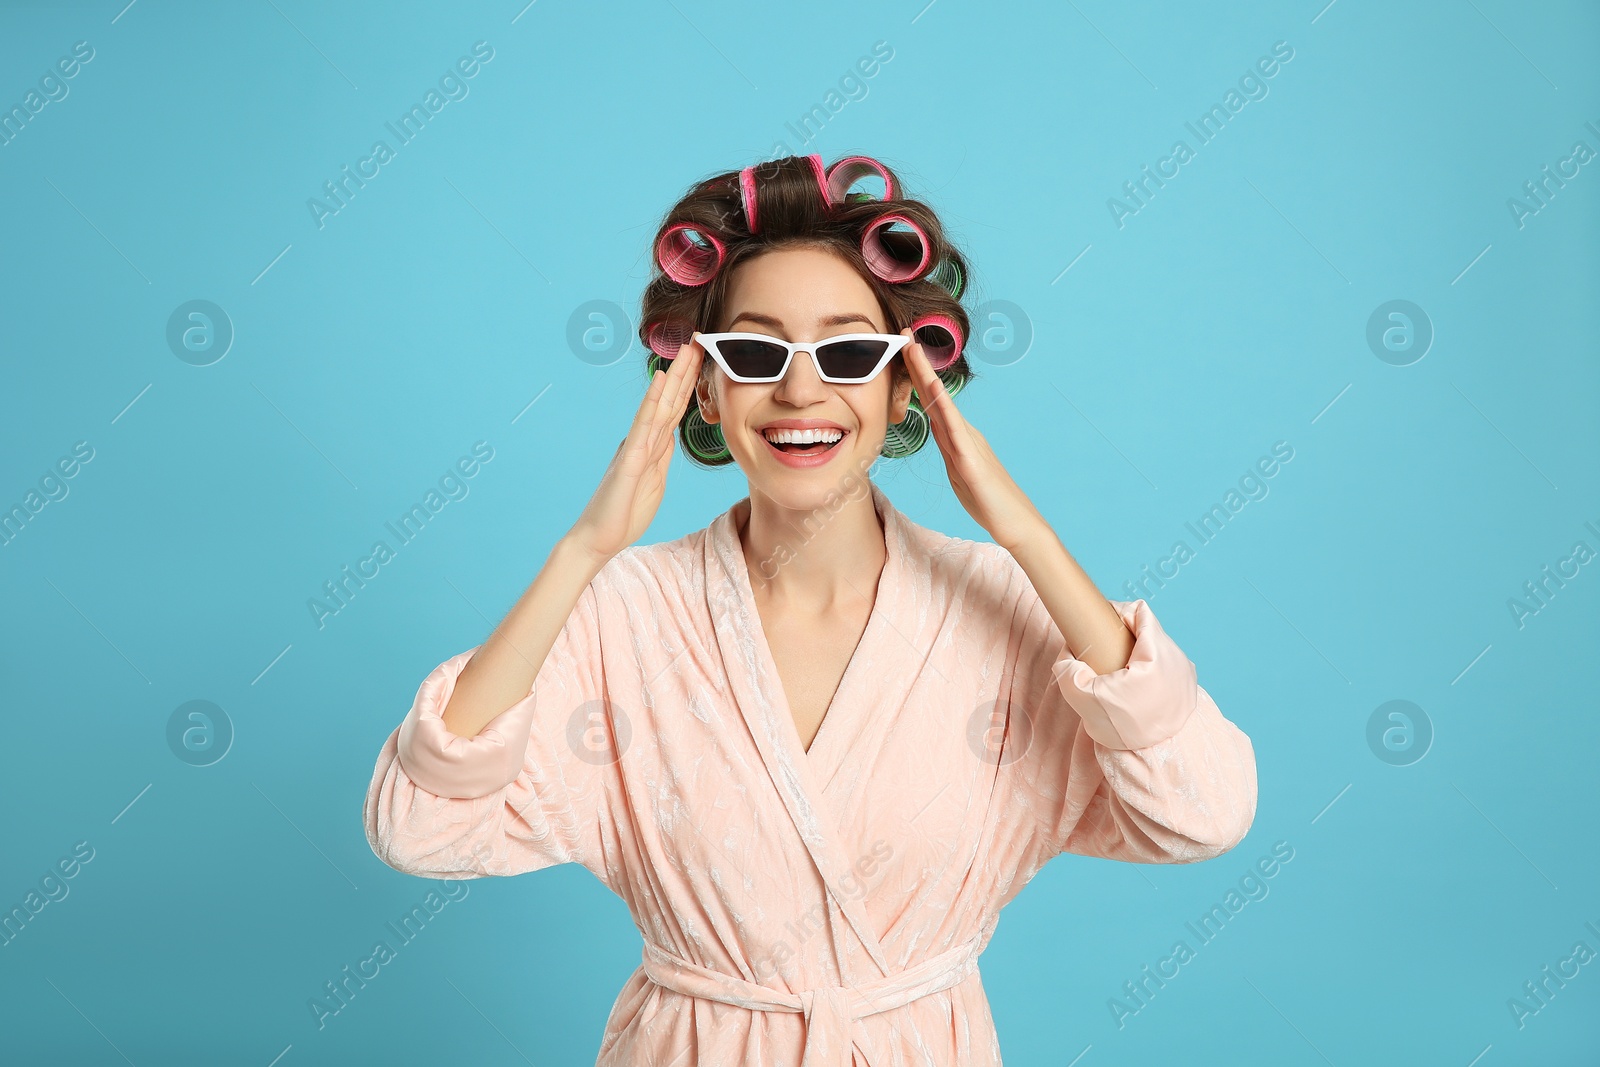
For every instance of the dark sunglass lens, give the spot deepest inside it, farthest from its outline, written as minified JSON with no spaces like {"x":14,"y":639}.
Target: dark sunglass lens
{"x":753,"y":359}
{"x":851,"y":359}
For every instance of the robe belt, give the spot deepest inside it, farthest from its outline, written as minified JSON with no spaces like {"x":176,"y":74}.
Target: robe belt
{"x":830,"y":1011}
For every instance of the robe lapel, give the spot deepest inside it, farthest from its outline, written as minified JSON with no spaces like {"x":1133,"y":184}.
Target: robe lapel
{"x":758,"y":692}
{"x":880,"y":671}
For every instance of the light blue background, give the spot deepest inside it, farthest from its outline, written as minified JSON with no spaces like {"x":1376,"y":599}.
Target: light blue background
{"x":1230,"y":313}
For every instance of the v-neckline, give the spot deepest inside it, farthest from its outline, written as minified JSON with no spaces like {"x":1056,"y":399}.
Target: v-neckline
{"x":822,"y":742}
{"x":760,"y":701}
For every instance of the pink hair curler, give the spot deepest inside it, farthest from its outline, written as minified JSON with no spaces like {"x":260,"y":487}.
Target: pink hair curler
{"x":882,"y":262}
{"x":822,"y":177}
{"x":686,"y":261}
{"x":940,"y":354}
{"x":851,"y":169}
{"x":747,"y":189}
{"x":666,"y":336}
{"x":747,"y":193}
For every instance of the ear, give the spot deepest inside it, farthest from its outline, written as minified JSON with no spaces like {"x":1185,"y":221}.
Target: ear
{"x":706,"y":397}
{"x":899,"y":392}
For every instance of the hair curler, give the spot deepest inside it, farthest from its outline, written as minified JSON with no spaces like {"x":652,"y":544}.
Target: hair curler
{"x":821,"y":173}
{"x":946,"y":274}
{"x":851,"y":169}
{"x":747,"y":195}
{"x":747,"y":190}
{"x":953,"y":382}
{"x":909,"y":434}
{"x":666,"y":336}
{"x":941,"y":339}
{"x":704,"y":439}
{"x":685,"y":260}
{"x":884,"y":263}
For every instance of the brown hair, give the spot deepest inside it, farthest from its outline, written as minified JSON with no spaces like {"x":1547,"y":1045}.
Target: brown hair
{"x":791,"y":211}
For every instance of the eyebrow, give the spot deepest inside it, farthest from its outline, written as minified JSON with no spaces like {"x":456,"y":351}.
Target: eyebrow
{"x":838,"y":319}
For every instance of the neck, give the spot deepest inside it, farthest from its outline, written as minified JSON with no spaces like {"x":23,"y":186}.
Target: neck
{"x":814,"y":559}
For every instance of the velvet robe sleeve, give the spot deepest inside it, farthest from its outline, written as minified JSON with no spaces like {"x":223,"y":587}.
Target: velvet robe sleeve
{"x":529,"y":791}
{"x":1138,"y":764}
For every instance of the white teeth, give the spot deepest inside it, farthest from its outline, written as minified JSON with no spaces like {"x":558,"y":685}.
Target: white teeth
{"x":803,"y":437}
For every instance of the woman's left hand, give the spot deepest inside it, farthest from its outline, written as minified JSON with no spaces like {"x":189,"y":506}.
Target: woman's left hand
{"x":980,"y":481}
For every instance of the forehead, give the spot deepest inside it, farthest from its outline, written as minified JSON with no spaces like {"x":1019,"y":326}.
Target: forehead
{"x":801,"y":289}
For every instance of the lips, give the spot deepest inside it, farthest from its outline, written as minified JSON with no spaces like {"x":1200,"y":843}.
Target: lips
{"x":813,"y":454}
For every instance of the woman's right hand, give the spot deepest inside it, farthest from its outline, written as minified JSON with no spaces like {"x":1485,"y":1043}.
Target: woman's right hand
{"x":624,"y":505}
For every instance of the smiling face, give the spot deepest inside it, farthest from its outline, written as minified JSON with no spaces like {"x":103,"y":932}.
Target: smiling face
{"x":801,"y":294}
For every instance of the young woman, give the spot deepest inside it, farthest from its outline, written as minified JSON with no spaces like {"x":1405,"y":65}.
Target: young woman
{"x":815,"y":746}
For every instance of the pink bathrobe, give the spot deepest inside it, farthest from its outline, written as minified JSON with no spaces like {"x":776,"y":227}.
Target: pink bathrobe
{"x":823,"y":908}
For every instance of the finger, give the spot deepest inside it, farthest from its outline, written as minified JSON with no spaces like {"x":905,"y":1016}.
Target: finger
{"x":941,"y":436}
{"x":936,"y":403}
{"x":673,"y":401}
{"x":663,"y":462}
{"x":916,"y":361}
{"x":935,"y":397}
{"x":637,"y":440}
{"x":692,"y":356}
{"x":678,"y":398}
{"x":652,"y":395}
{"x":661,"y":458}
{"x":658,"y":381}
{"x":675,"y":373}
{"x":923,"y":374}
{"x":949,"y":427}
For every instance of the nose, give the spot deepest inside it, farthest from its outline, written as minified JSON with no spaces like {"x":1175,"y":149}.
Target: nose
{"x":801,"y":385}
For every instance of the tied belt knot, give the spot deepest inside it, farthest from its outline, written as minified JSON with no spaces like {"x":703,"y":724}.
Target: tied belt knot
{"x":830,"y":1011}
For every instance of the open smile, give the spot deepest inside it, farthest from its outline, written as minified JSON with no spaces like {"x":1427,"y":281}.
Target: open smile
{"x":803,"y":448}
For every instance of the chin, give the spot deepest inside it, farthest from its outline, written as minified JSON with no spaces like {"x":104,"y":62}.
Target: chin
{"x":843,"y":475}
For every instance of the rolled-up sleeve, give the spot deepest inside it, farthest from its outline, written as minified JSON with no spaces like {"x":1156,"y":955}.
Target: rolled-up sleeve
{"x":1137,"y":764}
{"x":529,"y":791}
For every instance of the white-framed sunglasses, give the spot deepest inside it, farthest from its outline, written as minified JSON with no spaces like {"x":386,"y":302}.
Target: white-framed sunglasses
{"x":848,"y":359}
